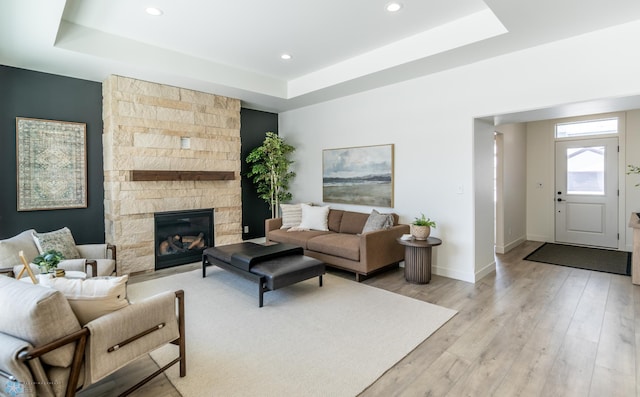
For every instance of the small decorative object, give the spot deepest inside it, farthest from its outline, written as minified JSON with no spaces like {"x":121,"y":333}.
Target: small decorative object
{"x":48,"y":260}
{"x":421,"y":227}
{"x":269,"y":169}
{"x":26,"y":268}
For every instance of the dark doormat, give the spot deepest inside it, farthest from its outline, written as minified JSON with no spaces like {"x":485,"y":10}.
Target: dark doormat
{"x":601,"y":260}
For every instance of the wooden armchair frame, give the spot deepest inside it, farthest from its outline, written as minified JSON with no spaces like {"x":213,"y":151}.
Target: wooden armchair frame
{"x":81,"y":336}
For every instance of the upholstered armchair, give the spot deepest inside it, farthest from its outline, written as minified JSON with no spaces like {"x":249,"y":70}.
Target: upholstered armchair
{"x":93,"y":259}
{"x":45,"y":351}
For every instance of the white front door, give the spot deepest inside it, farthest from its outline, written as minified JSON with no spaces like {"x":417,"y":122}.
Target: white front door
{"x":587,"y":192}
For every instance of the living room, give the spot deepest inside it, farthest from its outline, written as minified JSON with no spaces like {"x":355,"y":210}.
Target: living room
{"x":440,"y":119}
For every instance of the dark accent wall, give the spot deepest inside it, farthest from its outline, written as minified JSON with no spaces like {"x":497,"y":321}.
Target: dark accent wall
{"x":45,"y":96}
{"x":254,"y":125}
{"x":38,"y":95}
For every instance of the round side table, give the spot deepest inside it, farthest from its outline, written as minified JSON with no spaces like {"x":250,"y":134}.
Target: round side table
{"x":417,"y":259}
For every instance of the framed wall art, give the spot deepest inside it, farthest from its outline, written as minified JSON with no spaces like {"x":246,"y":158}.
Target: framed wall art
{"x":358,"y":175}
{"x":51,"y":164}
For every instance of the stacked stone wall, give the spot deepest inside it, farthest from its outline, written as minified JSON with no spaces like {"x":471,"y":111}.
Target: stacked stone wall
{"x":143,"y":126}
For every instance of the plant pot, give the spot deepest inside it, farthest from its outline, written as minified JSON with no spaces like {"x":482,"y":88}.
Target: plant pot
{"x":44,"y":278}
{"x":420,"y":232}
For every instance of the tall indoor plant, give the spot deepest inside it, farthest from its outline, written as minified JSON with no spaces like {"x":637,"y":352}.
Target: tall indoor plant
{"x":269,"y":170}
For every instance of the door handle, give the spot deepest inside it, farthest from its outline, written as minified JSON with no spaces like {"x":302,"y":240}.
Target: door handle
{"x":559,"y":200}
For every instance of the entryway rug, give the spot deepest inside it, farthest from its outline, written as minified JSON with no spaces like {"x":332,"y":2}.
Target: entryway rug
{"x":602,"y":260}
{"x":306,"y":341}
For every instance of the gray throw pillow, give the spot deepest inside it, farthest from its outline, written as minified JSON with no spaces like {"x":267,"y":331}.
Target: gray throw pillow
{"x":59,"y":240}
{"x":377,"y":221}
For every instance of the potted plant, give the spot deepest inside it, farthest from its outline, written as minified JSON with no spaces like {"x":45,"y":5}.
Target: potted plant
{"x":48,"y":260}
{"x":269,"y":169}
{"x":421,"y":227}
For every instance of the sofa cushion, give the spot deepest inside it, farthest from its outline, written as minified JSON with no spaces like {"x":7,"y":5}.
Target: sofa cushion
{"x":60,"y":240}
{"x":93,"y":297}
{"x":10,"y":247}
{"x":337,"y":244}
{"x":377,"y":221}
{"x":38,"y":315}
{"x":353,"y":222}
{"x":334,"y":219}
{"x":314,"y":217}
{"x":298,"y":238}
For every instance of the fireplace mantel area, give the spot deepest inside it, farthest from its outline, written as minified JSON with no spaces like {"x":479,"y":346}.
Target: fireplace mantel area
{"x":181,"y":138}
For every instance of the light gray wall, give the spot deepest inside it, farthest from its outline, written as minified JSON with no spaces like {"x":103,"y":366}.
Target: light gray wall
{"x":431,"y":122}
{"x":511,"y":219}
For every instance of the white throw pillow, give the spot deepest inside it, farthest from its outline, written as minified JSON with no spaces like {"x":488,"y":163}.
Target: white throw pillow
{"x":93,"y":297}
{"x":291,"y":215}
{"x":314,"y":217}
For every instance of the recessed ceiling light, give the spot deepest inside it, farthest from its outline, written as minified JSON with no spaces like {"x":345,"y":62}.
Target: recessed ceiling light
{"x":393,"y":7}
{"x":286,"y":57}
{"x":156,"y":12}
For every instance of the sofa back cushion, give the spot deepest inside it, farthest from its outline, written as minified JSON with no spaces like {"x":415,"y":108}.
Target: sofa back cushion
{"x":10,"y":247}
{"x":335,"y":217}
{"x":38,"y":315}
{"x":353,"y":222}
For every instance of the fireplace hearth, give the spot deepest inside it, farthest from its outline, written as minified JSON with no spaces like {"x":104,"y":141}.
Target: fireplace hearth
{"x":181,"y":236}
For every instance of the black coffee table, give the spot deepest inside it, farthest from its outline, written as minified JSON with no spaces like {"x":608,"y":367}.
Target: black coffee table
{"x":270,"y":266}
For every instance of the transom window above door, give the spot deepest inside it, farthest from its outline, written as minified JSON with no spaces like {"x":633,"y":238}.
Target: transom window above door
{"x":576,"y":129}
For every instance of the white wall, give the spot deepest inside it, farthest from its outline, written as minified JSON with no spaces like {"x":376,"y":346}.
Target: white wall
{"x":483,"y":186}
{"x":511,"y":206}
{"x":632,"y":153}
{"x":431,"y":122}
{"x":540,"y":169}
{"x":540,"y":181}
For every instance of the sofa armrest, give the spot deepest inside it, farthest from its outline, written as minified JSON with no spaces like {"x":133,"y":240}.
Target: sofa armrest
{"x":44,"y":387}
{"x":123,"y":336}
{"x":93,"y":251}
{"x":11,"y":368}
{"x":380,"y":248}
{"x":271,"y":224}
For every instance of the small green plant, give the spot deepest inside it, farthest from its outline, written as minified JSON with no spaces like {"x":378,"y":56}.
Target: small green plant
{"x":48,"y":260}
{"x":424,"y":221}
{"x":633,"y":169}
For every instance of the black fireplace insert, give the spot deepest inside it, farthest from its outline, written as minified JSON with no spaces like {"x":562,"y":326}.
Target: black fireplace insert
{"x":181,"y":236}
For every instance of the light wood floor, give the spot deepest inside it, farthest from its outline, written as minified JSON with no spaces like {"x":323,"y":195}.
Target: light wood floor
{"x":530,"y":329}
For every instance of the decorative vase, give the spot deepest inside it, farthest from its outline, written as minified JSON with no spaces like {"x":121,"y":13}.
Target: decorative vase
{"x":44,"y":278}
{"x":420,"y":232}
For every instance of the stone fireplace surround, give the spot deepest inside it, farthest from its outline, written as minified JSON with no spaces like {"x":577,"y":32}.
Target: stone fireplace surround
{"x":145,"y":128}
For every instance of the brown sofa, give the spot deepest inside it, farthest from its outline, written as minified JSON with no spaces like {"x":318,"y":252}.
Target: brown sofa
{"x":343,"y":246}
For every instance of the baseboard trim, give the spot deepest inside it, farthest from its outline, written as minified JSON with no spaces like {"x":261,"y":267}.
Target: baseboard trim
{"x":506,"y":248}
{"x":485,"y":271}
{"x":450,"y":273}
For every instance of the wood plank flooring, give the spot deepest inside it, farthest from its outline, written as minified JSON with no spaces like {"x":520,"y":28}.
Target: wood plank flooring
{"x":529,"y":329}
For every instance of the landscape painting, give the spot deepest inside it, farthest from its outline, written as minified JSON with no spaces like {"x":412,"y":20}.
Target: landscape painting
{"x":358,"y":175}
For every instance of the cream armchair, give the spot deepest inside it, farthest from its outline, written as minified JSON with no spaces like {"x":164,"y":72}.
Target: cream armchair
{"x":45,"y":352}
{"x":97,"y":259}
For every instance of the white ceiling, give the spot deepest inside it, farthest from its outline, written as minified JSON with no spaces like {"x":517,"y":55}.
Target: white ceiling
{"x":233,"y":47}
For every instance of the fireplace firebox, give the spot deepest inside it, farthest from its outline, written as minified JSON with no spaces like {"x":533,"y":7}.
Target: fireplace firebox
{"x":181,"y":236}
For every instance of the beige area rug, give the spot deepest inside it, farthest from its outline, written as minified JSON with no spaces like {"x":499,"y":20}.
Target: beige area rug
{"x":305,"y":341}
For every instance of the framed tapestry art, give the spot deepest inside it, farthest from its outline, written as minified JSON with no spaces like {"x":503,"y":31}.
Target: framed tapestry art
{"x":51,"y":164}
{"x":358,"y":175}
